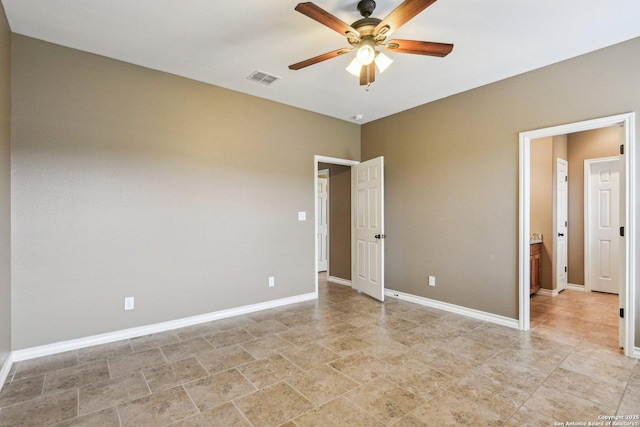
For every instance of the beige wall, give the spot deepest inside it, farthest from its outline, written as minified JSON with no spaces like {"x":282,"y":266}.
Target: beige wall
{"x":582,"y":146}
{"x":132,"y":182}
{"x":542,"y":162}
{"x":5,"y":188}
{"x":339,"y":220}
{"x":452,"y":174}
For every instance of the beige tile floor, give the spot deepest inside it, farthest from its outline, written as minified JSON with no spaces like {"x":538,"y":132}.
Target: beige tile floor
{"x":344,"y":360}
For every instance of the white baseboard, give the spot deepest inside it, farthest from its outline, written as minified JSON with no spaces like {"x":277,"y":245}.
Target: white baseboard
{"x":555,"y":292}
{"x":59,"y":347}
{"x":469,"y":312}
{"x":636,"y":353}
{"x":339,"y":281}
{"x":548,"y":292}
{"x":574,"y":287}
{"x":6,"y":368}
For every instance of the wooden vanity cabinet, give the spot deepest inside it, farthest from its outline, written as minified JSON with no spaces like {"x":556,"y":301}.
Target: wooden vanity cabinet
{"x":535,"y":261}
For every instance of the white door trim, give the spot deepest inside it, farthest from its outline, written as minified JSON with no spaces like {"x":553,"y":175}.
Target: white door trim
{"x":629,"y":257}
{"x":587,"y":218}
{"x":316,"y":160}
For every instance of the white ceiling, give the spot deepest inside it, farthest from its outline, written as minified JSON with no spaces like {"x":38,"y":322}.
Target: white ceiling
{"x":221,"y":42}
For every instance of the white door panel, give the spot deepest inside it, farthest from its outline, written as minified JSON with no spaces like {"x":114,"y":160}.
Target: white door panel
{"x":562,"y":215}
{"x":369,"y":228}
{"x":323,"y":223}
{"x":602,"y":225}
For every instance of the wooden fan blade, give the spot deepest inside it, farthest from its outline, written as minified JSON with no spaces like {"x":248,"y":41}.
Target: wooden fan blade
{"x":419,"y":48}
{"x":320,"y":58}
{"x":368,"y":74}
{"x":403,"y":13}
{"x":325,"y":18}
{"x":363,"y":75}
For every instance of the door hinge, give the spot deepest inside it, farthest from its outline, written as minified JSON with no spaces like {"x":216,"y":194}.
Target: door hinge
{"x":621,"y":148}
{"x":621,"y":231}
{"x":566,"y":178}
{"x":566,"y":223}
{"x":565,"y":268}
{"x":622,"y":313}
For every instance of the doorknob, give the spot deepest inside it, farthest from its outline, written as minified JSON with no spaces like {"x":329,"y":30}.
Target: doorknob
{"x":380,"y":236}
{"x":560,"y":234}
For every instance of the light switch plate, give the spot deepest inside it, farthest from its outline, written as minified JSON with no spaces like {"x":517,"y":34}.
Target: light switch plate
{"x":302,"y":216}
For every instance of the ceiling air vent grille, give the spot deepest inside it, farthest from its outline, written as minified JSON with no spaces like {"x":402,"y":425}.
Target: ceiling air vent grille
{"x":262,"y":77}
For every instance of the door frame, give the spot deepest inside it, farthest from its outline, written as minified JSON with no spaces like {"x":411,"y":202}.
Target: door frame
{"x":587,"y":217}
{"x":316,"y":160}
{"x":629,"y":248}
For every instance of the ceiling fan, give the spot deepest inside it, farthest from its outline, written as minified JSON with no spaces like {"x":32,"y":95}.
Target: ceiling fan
{"x":368,"y":33}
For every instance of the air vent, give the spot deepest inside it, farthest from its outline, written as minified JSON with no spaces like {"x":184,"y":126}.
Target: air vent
{"x":262,"y":77}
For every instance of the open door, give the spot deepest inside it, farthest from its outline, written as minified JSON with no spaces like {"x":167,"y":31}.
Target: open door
{"x":368,"y":229}
{"x":322,"y":218}
{"x":562,"y":214}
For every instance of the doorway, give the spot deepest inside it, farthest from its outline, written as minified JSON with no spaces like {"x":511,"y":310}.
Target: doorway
{"x":364,"y":232}
{"x":322,"y":163}
{"x":627,"y":218}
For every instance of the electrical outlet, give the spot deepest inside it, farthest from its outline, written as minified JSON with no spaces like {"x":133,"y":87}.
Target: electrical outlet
{"x":432,"y":280}
{"x":272,"y":281}
{"x":128,"y":303}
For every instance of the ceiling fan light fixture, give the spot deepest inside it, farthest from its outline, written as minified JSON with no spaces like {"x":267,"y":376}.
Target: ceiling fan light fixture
{"x":366,"y":51}
{"x":382,"y":61}
{"x":354,"y":67}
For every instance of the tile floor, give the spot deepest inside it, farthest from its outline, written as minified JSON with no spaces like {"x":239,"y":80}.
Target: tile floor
{"x":344,"y":360}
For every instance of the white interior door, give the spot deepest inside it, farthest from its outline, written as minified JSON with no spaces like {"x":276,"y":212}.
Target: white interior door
{"x":323,"y":223}
{"x":602,"y":225}
{"x":368,"y":221}
{"x":562,"y":214}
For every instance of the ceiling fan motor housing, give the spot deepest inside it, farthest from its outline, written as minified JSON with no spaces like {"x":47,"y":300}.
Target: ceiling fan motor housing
{"x":366,"y":7}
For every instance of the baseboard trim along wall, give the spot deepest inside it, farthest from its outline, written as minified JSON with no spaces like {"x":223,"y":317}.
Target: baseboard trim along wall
{"x":574,"y":287}
{"x":59,"y":347}
{"x":476,"y":314}
{"x":339,"y":281}
{"x":555,"y":292}
{"x":49,"y":349}
{"x":4,"y":372}
{"x":547,"y":292}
